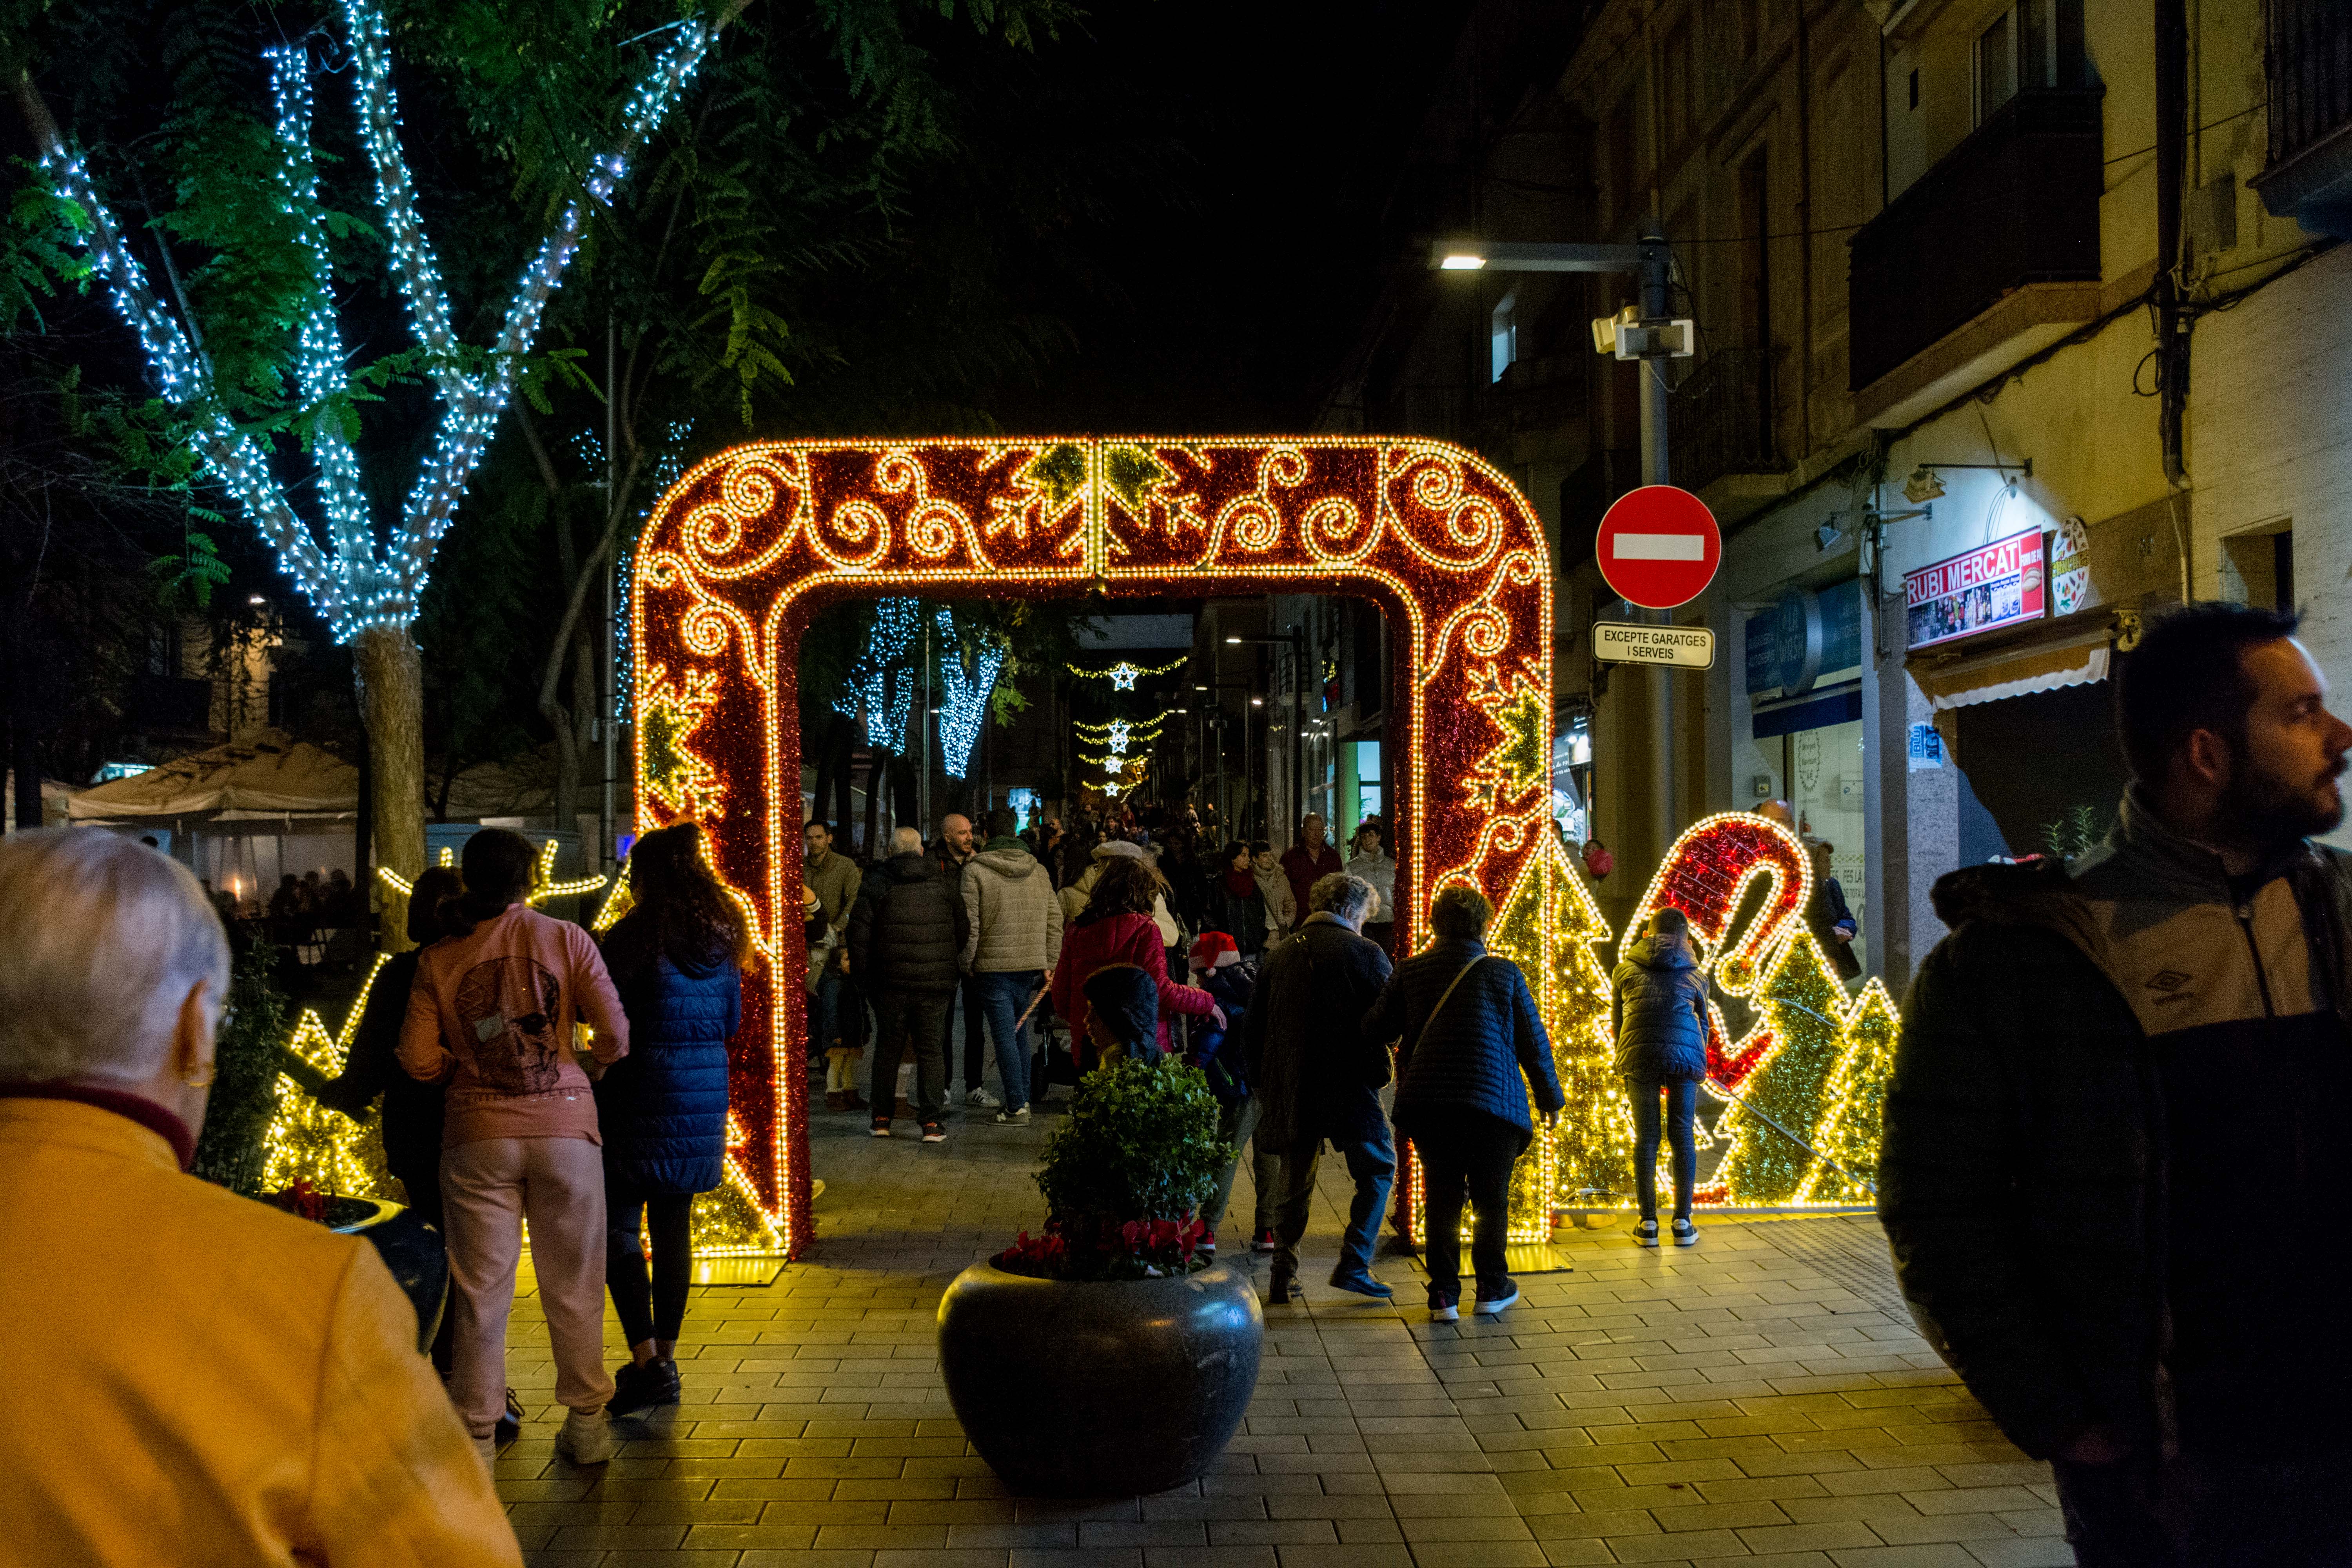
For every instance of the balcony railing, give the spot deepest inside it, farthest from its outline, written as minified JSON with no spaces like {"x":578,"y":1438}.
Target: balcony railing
{"x":2017,"y":203}
{"x":1722,"y":420}
{"x":2307,"y":61}
{"x":2310,"y":67}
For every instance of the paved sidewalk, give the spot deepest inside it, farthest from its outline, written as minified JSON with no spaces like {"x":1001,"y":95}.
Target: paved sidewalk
{"x":1759,"y":1399}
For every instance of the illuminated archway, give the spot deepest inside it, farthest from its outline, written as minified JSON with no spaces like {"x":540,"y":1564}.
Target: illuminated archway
{"x":749,"y":546}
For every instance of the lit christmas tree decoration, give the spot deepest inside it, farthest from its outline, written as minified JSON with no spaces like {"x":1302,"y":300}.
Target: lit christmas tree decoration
{"x":308,"y":1142}
{"x":353,"y":580}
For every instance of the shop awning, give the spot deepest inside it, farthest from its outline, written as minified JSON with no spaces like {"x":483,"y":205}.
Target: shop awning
{"x":2015,"y":671}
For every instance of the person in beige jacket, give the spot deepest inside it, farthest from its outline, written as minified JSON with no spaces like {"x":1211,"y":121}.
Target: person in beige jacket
{"x":1017,"y":937}
{"x":202,"y":1378}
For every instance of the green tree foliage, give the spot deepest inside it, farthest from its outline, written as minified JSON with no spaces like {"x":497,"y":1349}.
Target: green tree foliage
{"x":245,"y":1075}
{"x":1140,"y":1144}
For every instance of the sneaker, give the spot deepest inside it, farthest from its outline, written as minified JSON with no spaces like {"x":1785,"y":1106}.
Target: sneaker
{"x":1018,"y":1116}
{"x":509,"y":1426}
{"x":881,"y":1127}
{"x":934,"y":1134}
{"x":982,"y":1099}
{"x":487,"y":1448}
{"x":1647,"y":1233}
{"x":1265,"y":1242}
{"x":1685,"y":1234}
{"x":1282,"y":1290}
{"x":1445,"y":1308}
{"x":585,"y":1439}
{"x":1361,"y":1284}
{"x":1205,"y":1247}
{"x":1492,"y":1306}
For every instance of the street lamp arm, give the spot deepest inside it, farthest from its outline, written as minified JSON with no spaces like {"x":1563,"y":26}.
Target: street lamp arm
{"x":1515,"y":255}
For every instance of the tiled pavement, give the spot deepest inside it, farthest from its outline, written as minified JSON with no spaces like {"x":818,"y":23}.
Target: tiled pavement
{"x":1760,"y":1399}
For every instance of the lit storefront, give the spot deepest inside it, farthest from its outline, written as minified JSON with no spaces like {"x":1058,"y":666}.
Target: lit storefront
{"x":1803,"y":673}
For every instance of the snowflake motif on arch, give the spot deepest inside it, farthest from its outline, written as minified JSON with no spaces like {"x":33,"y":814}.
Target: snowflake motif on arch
{"x":681,"y":778}
{"x":1519,"y":763}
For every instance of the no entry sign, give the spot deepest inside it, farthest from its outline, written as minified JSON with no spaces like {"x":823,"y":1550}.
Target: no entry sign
{"x":1659,"y":547}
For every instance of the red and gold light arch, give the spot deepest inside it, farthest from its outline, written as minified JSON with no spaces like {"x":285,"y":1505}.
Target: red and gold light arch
{"x":748,"y":547}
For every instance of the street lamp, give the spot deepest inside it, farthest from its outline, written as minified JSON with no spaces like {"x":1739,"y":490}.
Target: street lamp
{"x":1647,"y":332}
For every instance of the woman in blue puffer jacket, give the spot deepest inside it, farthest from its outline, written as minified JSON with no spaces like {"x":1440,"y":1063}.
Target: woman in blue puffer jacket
{"x":1660,"y":1008}
{"x":676,"y":959}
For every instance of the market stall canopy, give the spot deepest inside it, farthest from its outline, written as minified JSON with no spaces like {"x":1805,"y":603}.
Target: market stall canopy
{"x":264,"y":774}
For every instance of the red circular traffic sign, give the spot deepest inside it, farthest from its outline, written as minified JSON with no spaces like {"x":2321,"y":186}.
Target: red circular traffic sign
{"x":1659,"y":547}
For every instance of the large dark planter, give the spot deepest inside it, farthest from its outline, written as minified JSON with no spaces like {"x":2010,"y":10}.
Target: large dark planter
{"x":1100,"y":1389}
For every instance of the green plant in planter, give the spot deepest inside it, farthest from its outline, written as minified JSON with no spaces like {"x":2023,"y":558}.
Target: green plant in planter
{"x":245,"y":1075}
{"x":1125,"y":1174}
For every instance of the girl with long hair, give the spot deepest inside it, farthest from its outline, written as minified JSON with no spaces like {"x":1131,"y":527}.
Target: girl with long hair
{"x":677,"y":958}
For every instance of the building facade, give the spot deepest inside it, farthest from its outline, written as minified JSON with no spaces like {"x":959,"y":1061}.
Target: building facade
{"x":1952,"y":264}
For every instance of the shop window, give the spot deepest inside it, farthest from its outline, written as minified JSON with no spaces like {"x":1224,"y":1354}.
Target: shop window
{"x":2258,"y":566}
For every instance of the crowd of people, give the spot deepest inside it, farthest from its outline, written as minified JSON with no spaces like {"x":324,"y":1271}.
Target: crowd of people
{"x":2113,"y":1070}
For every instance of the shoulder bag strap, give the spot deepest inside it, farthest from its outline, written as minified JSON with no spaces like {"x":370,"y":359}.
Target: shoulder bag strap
{"x":1447,"y":995}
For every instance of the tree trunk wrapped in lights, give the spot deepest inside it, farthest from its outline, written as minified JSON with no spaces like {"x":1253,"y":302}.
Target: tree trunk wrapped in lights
{"x":364,"y":583}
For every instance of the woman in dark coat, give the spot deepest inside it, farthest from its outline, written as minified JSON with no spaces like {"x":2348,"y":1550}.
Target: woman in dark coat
{"x":1659,"y":1004}
{"x":1472,"y":1053}
{"x":676,"y":959}
{"x":1234,"y":904}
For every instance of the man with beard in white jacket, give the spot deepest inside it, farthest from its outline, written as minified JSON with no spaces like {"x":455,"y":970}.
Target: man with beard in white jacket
{"x":1017,"y":937}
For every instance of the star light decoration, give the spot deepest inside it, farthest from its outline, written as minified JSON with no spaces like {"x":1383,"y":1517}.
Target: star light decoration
{"x":1123,"y":675}
{"x":355,"y":581}
{"x":752,"y":544}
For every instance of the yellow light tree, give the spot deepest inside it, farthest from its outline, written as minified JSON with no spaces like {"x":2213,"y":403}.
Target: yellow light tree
{"x":1786,"y":1097}
{"x":1847,"y":1171}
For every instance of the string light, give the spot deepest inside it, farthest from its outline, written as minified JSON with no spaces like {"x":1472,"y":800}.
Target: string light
{"x":964,"y":708}
{"x":881,"y":683}
{"x":1804,"y":1089}
{"x":305,"y":1140}
{"x":751,"y":543}
{"x":354,"y":582}
{"x":1123,"y":675}
{"x":543,"y":885}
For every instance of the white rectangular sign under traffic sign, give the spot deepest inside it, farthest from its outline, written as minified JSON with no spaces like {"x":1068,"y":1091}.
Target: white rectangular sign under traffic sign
{"x":1682,"y":647}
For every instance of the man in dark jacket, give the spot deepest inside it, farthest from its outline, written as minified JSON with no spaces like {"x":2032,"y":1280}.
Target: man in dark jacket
{"x":2110,"y":1113}
{"x":1470,"y":1050}
{"x":1313,"y":1078}
{"x":1658,"y":1005}
{"x":905,"y":935}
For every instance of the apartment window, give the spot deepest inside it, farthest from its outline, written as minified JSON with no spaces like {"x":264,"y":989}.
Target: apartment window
{"x":1504,"y":333}
{"x":2033,"y":44}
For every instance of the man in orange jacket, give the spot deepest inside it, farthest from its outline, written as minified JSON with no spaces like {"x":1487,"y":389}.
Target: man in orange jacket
{"x":199,"y":1376}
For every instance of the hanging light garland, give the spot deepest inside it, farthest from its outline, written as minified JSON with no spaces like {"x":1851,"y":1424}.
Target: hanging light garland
{"x":1123,"y":675}
{"x":353,"y":582}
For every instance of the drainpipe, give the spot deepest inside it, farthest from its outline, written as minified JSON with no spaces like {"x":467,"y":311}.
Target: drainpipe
{"x":1805,"y":226}
{"x":2171,"y":162}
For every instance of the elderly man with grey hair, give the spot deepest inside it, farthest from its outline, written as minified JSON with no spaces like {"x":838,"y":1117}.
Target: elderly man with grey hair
{"x":1317,"y":1081}
{"x":212,"y":1375}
